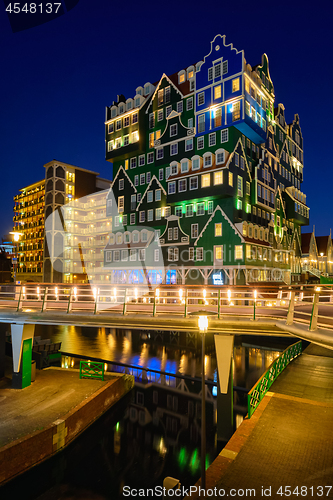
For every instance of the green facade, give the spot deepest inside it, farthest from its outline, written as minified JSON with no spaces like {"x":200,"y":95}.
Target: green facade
{"x":212,"y":176}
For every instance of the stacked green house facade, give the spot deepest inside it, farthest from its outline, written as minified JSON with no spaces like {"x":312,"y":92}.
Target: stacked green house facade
{"x":207,"y":178}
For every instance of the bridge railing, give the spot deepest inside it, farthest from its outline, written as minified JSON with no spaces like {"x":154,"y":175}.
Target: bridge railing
{"x":263,"y":385}
{"x":242,"y":301}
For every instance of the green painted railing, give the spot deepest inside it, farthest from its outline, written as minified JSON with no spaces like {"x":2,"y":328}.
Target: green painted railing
{"x":259,"y":390}
{"x":91,"y":369}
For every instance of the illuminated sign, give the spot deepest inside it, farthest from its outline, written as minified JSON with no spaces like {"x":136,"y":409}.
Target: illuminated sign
{"x":217,"y":279}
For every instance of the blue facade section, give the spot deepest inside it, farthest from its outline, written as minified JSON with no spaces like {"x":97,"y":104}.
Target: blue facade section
{"x":221,"y":97}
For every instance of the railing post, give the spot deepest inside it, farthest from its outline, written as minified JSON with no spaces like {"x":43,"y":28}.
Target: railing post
{"x":279,"y":297}
{"x":19,"y":299}
{"x":254,"y":304}
{"x":69,"y":307}
{"x":154,"y":306}
{"x":314,"y":313}
{"x":290,"y":315}
{"x":185,"y":308}
{"x":219,"y":303}
{"x":124,"y":306}
{"x":96,"y":301}
{"x":44,"y":299}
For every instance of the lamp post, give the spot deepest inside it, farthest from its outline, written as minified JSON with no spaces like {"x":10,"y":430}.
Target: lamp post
{"x":203,"y":326}
{"x":16,"y":237}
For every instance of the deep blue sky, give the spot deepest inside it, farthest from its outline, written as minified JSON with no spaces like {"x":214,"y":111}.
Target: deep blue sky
{"x":57,"y":78}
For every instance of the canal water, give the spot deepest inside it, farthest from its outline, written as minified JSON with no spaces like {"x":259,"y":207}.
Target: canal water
{"x":152,"y":433}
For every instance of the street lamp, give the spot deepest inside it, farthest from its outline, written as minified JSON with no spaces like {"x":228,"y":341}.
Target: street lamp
{"x":203,"y":326}
{"x":16,"y":237}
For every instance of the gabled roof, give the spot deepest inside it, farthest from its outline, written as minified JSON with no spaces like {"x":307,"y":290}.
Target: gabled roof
{"x":176,"y":87}
{"x":226,"y":218}
{"x":231,"y":155}
{"x":144,"y":194}
{"x":117,"y":174}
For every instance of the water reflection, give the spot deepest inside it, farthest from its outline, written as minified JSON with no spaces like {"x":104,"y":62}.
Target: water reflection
{"x":155,"y":432}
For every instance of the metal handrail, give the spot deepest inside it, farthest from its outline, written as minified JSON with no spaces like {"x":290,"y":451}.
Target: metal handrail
{"x":258,"y":391}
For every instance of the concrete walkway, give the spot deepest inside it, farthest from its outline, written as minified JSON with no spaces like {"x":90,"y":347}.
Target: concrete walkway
{"x":38,"y":421}
{"x":54,"y":393}
{"x":288,"y":442}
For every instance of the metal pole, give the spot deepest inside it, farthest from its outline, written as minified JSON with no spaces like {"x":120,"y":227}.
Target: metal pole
{"x":203,"y":417}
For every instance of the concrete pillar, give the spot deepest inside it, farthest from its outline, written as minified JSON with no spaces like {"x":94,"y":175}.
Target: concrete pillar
{"x":22,"y":340}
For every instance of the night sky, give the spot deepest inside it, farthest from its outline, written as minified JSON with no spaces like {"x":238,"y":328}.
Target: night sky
{"x":57,"y":78}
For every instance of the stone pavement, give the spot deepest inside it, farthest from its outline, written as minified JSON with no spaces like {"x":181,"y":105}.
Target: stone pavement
{"x":288,"y":442}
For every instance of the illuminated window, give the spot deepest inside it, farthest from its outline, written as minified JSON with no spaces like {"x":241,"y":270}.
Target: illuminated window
{"x":238,"y":252}
{"x":205,"y":180}
{"x":135,"y":136}
{"x":191,"y":74}
{"x":236,"y":111}
{"x":248,"y":252}
{"x":218,"y":117}
{"x":230,"y":179}
{"x":110,"y":146}
{"x":217,"y":92}
{"x":182,"y":78}
{"x":151,"y":140}
{"x":218,"y":229}
{"x":247,"y":86}
{"x":218,"y":253}
{"x":218,"y":178}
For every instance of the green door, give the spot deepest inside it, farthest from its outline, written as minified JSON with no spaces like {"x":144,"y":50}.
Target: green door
{"x":26,"y":362}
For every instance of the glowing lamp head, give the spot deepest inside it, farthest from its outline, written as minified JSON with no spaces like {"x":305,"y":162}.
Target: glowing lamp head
{"x":203,"y":323}
{"x":255,"y":294}
{"x":229,"y":294}
{"x":157,"y":292}
{"x":180,"y":293}
{"x":16,"y":237}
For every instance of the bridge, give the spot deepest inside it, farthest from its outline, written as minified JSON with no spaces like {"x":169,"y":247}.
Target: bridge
{"x":301,"y":311}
